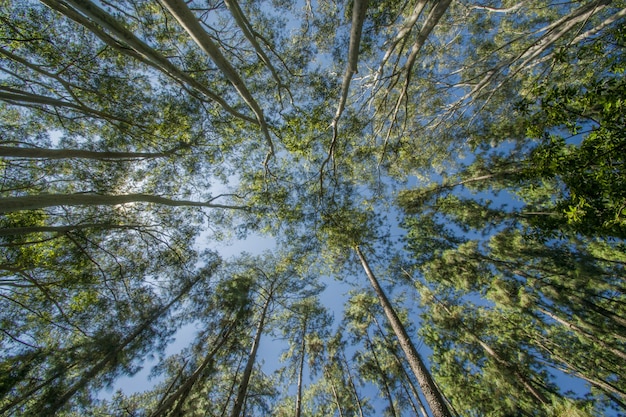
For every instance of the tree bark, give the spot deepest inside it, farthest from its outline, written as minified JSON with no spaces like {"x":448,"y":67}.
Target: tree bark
{"x":432,"y":394}
{"x":301,"y":370}
{"x":33,"y":202}
{"x":245,"y":378}
{"x":45,"y":153}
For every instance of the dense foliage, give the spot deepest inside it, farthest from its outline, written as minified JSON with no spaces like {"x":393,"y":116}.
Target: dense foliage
{"x":425,"y":203}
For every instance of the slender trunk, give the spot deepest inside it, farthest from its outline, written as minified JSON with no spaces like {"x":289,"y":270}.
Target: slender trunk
{"x":573,"y":327}
{"x":521,"y":379}
{"x":401,"y":366}
{"x":40,"y":153}
{"x":181,"y":394}
{"x":301,"y":370}
{"x":245,"y":379}
{"x":333,"y":388}
{"x":359,"y":9}
{"x":231,"y":390}
{"x":21,"y":98}
{"x":247,"y":30}
{"x":407,"y":27}
{"x":383,"y":375}
{"x":53,"y":407}
{"x":15,"y":231}
{"x":605,"y":386}
{"x":432,"y":394}
{"x":33,"y":202}
{"x":351,"y":383}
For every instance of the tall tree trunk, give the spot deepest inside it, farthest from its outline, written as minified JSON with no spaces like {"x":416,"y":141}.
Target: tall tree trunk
{"x":578,"y":330}
{"x":245,"y":379}
{"x":344,"y":361}
{"x":15,"y":231}
{"x":432,"y":394}
{"x":301,"y":370}
{"x":181,"y":394}
{"x":333,"y":388}
{"x":189,"y":22}
{"x":33,"y":202}
{"x":20,"y":98}
{"x":401,"y":366}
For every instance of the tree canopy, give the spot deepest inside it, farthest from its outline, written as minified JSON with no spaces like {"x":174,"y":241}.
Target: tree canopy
{"x":441,"y":182}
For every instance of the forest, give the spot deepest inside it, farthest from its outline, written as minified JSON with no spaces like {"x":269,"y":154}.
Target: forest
{"x":315,"y":208}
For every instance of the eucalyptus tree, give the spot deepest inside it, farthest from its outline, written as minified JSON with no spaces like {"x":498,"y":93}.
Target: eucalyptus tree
{"x":538,"y":261}
{"x":307,"y":323}
{"x":279,"y":281}
{"x":82,"y":332}
{"x":380,"y":358}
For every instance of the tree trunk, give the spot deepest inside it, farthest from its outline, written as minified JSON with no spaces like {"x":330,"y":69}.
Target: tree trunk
{"x":578,"y":330}
{"x":15,"y":231}
{"x":40,"y":153}
{"x":433,"y":397}
{"x":351,"y":383}
{"x":333,"y":388}
{"x":301,"y":370}
{"x":184,"y":390}
{"x":33,"y":202}
{"x":401,"y":366}
{"x":383,"y":375}
{"x":245,"y":379}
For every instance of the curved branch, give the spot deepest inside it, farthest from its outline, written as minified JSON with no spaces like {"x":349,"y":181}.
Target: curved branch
{"x":33,"y":202}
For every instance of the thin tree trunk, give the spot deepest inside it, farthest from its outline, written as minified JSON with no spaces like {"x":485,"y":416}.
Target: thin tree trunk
{"x":432,"y":394}
{"x":33,"y":202}
{"x":22,"y":98}
{"x":41,"y":153}
{"x":245,"y":379}
{"x":383,"y":375}
{"x":401,"y":366}
{"x":181,"y":394}
{"x":15,"y":231}
{"x":507,"y":365}
{"x":359,"y":9}
{"x":334,"y":390}
{"x":301,"y":370}
{"x":521,"y":379}
{"x":592,"y":338}
{"x":351,"y":383}
{"x":246,"y":28}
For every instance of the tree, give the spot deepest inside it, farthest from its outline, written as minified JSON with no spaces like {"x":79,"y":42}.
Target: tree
{"x":135,"y":133}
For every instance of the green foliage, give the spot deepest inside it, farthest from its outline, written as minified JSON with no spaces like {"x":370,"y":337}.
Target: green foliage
{"x":510,"y":117}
